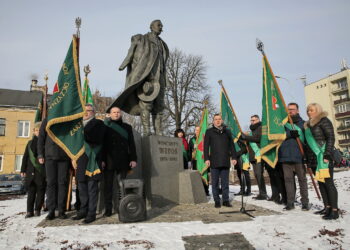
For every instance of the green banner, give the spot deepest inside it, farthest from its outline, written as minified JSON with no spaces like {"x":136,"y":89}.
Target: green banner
{"x":230,"y":120}
{"x":201,"y":167}
{"x":87,"y":96}
{"x":66,"y":109}
{"x":274,"y":117}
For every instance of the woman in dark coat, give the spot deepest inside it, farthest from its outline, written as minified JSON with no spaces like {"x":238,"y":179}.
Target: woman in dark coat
{"x":185,"y":147}
{"x":320,"y":139}
{"x":34,"y":174}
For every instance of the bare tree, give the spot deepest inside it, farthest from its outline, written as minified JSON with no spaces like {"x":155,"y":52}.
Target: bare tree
{"x":186,"y":92}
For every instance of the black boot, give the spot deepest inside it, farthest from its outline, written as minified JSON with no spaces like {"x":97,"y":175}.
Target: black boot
{"x":79,"y":216}
{"x":327,"y":212}
{"x":333,"y":215}
{"x":29,"y":214}
{"x":37,"y":213}
{"x":108,"y":213}
{"x":89,"y":219}
{"x":217,"y":204}
{"x":226,"y":204}
{"x":62,"y":215}
{"x":51,"y":215}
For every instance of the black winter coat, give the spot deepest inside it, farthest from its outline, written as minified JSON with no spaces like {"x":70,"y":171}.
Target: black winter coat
{"x":218,"y":147}
{"x":255,"y":137}
{"x":289,"y":150}
{"x":118,"y":151}
{"x":32,"y":174}
{"x":323,"y":132}
{"x":94,"y":132}
{"x":47,"y":148}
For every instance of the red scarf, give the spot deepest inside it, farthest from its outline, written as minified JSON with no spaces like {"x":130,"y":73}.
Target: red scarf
{"x":184,"y":142}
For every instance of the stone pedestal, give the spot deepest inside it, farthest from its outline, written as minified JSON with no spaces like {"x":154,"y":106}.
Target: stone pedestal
{"x":191,"y":188}
{"x":162,"y":161}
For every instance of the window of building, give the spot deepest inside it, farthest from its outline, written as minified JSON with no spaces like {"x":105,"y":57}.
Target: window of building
{"x":2,"y":126}
{"x":18,"y":163}
{"x":342,"y":108}
{"x":347,"y":122}
{"x":342,"y":84}
{"x":23,"y":128}
{"x":1,"y":162}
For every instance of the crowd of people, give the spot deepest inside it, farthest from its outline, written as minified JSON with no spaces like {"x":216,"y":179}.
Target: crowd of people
{"x":110,"y":152}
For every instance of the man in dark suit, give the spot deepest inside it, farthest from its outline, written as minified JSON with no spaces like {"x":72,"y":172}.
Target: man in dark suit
{"x":219,"y":154}
{"x":57,"y":164}
{"x":34,"y":174}
{"x":119,"y":154}
{"x":89,"y":165}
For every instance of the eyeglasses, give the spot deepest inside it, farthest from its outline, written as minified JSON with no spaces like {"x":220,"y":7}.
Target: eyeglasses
{"x":89,"y":110}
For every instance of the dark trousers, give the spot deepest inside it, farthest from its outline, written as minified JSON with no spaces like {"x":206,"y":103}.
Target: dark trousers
{"x":221,"y":174}
{"x":109,"y":179}
{"x":277,"y":182}
{"x":259,"y":176}
{"x":328,"y":191}
{"x":57,"y":184}
{"x":36,"y":195}
{"x":245,"y":185}
{"x":88,"y":194}
{"x":289,"y":170}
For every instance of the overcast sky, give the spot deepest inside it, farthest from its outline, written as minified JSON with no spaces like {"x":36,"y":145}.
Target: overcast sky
{"x":301,"y":38}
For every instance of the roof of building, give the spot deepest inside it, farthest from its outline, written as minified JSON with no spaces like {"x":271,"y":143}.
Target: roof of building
{"x":19,"y":98}
{"x":327,"y":77}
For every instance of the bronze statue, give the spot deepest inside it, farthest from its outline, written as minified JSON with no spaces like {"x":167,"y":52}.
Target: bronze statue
{"x":146,"y":78}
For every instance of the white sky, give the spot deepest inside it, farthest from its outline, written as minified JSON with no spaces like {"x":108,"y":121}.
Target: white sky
{"x":300,"y":37}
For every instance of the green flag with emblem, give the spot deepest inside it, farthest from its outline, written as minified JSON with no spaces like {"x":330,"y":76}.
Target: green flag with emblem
{"x":87,"y":96}
{"x":230,"y":120}
{"x":66,"y":109}
{"x":201,"y":166}
{"x":274,"y":117}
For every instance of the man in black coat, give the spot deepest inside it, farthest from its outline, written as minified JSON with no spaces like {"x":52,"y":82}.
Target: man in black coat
{"x":291,"y":159}
{"x":254,"y":154}
{"x":57,"y":164}
{"x":34,"y":174}
{"x":119,"y":153}
{"x":219,"y":154}
{"x":89,"y":165}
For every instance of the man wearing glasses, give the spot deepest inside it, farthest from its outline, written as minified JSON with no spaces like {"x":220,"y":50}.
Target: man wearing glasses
{"x":253,"y":140}
{"x":89,"y":165}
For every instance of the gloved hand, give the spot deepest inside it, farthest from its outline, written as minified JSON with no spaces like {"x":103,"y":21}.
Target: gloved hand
{"x":294,"y":134}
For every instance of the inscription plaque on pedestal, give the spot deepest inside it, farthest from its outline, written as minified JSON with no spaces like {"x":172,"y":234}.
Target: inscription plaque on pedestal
{"x":162,"y":162}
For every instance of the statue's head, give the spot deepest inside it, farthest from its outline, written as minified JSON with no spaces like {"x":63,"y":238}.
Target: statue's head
{"x":156,"y":27}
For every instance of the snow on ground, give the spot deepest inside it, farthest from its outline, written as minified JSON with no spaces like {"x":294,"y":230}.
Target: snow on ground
{"x":290,"y":230}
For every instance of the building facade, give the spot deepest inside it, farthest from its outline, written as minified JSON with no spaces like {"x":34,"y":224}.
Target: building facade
{"x":332,"y":93}
{"x":17,"y":114}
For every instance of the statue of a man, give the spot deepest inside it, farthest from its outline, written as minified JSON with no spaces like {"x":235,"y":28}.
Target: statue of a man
{"x":146,"y":78}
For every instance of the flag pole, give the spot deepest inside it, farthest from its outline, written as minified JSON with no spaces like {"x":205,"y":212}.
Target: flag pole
{"x":260,"y":47}
{"x":229,"y":102}
{"x":74,"y":163}
{"x":44,"y":112}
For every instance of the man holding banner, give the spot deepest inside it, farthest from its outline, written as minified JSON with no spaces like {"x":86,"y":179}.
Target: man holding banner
{"x":253,"y":140}
{"x":61,"y":138}
{"x":291,"y":159}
